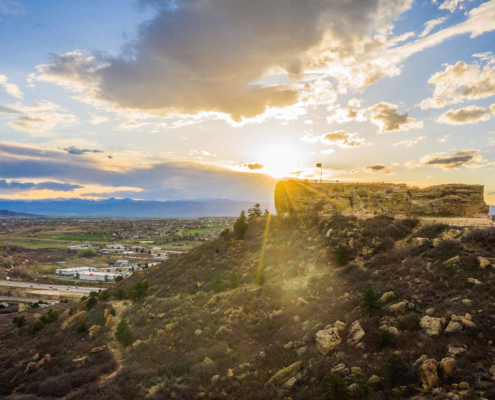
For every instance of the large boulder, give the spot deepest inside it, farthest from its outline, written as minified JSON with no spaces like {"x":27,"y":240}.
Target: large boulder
{"x":327,"y":340}
{"x":285,"y":374}
{"x":111,"y":321}
{"x":82,"y":305}
{"x":93,"y":331}
{"x":74,"y":320}
{"x":62,"y":317}
{"x":447,"y":366}
{"x":428,"y":374}
{"x":356,"y":333}
{"x":431,"y":325}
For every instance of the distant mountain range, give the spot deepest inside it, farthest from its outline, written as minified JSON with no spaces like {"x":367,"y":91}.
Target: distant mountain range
{"x":129,"y":208}
{"x":8,"y":213}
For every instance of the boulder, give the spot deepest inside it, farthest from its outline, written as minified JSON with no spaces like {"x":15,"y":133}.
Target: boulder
{"x":327,"y":340}
{"x":208,"y":361}
{"x":356,"y":370}
{"x":82,"y":305}
{"x":398,"y":306}
{"x":74,"y":320}
{"x":340,"y":326}
{"x":106,"y":313}
{"x":417,"y":242}
{"x":431,"y":325}
{"x":329,"y":232}
{"x":285,"y":374}
{"x":447,"y":366}
{"x":111,"y":321}
{"x":453,"y":327}
{"x":137,"y":343}
{"x":464,"y":386}
{"x":289,"y":345}
{"x":483,"y":262}
{"x":452,"y":261}
{"x":171,"y":326}
{"x":428,"y":374}
{"x":475,"y":281}
{"x":393,"y":330}
{"x":212,"y":301}
{"x":31,"y":367}
{"x":223,"y":331}
{"x":215,"y":378}
{"x":93,"y":331}
{"x":374,"y":381}
{"x":198,"y":332}
{"x":96,"y":349}
{"x":456,"y":350}
{"x":386,"y":297}
{"x":62,"y":317}
{"x":356,"y":333}
{"x":47,"y":357}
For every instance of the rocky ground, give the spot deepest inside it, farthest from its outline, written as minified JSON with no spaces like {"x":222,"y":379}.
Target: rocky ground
{"x":307,"y":306}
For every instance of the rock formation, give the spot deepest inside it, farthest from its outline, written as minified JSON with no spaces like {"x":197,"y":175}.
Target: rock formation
{"x":455,"y":200}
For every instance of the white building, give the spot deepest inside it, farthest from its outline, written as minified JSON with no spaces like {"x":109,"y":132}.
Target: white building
{"x":73,"y":272}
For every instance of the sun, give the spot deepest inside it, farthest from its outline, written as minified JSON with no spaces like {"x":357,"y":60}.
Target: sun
{"x":280,"y":163}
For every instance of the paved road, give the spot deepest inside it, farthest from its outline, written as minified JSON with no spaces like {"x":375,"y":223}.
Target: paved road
{"x":38,"y":286}
{"x":10,"y":298}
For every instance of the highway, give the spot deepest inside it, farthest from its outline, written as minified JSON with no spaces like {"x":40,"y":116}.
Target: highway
{"x":39,"y":286}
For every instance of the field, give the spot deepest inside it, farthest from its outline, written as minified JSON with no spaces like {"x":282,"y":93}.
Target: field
{"x":188,"y":232}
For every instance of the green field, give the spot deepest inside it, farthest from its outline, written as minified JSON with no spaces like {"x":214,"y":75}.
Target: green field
{"x":188,"y":232}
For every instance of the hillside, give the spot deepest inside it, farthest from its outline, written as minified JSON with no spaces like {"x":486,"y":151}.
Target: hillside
{"x":130,"y":208}
{"x":280,"y":314}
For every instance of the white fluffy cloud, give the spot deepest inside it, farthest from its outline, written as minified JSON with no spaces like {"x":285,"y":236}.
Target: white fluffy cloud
{"x":461,"y":82}
{"x":450,"y":5}
{"x":410,"y":142}
{"x":10,"y":88}
{"x":430,"y":25}
{"x":467,"y":115}
{"x":387,"y":118}
{"x":41,"y":122}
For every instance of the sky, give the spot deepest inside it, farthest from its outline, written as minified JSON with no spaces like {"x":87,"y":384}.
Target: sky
{"x":188,"y":99}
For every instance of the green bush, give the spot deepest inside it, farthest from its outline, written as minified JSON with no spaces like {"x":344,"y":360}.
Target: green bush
{"x":37,"y":326}
{"x":386,"y":338}
{"x":82,"y":327}
{"x":140,"y":290}
{"x":112,"y":312}
{"x":52,"y":315}
{"x":342,"y":255}
{"x":119,"y":294}
{"x":225,"y":232}
{"x":19,"y":321}
{"x":71,"y":311}
{"x":92,"y":301}
{"x":371,"y":301}
{"x":119,"y":278}
{"x":395,"y":371}
{"x":217,"y":284}
{"x":105,"y":295}
{"x":93,"y":294}
{"x":335,"y":387}
{"x":124,"y":334}
{"x":234,"y":280}
{"x":86,"y":253}
{"x":241,"y":226}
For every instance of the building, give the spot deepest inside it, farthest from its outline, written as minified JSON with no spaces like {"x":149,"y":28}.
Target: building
{"x":73,"y":272}
{"x":123,"y":263}
{"x":98,"y":276}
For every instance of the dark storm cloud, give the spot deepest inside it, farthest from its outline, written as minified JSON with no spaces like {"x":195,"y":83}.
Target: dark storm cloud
{"x":76,"y":151}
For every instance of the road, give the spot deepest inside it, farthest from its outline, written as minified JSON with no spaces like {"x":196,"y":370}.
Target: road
{"x":60,"y":288}
{"x":10,"y":298}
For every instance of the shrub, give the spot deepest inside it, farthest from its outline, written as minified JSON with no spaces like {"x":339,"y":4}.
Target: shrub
{"x":260,"y":277}
{"x":371,"y":301}
{"x":52,"y":315}
{"x":342,"y":255}
{"x":71,"y":311}
{"x":395,"y":371}
{"x":93,"y":294}
{"x":86,"y":253}
{"x":241,"y":226}
{"x":335,"y":387}
{"x":119,"y":293}
{"x":217,"y":284}
{"x":37,"y":326}
{"x":124,"y":334}
{"x":225,"y":232}
{"x":92,"y":301}
{"x":386,"y":338}
{"x":140,"y":290}
{"x":19,"y":321}
{"x":431,"y":231}
{"x":105,"y":295}
{"x":234,"y":280}
{"x":112,"y":312}
{"x":82,"y":327}
{"x":119,"y":278}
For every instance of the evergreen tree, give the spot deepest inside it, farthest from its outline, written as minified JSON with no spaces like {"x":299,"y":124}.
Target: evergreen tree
{"x":241,"y":226}
{"x":140,"y":290}
{"x":371,"y":301}
{"x":266,"y":213}
{"x":342,"y":255}
{"x":124,"y":334}
{"x":395,"y":371}
{"x":255,"y":212}
{"x":335,"y":387}
{"x":92,"y":301}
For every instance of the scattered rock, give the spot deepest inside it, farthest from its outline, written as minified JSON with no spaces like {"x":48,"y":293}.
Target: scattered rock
{"x":215,"y":378}
{"x":208,"y":361}
{"x":417,"y":242}
{"x":230,"y":373}
{"x":223,"y":331}
{"x":447,"y":366}
{"x":93,"y":331}
{"x":398,"y":306}
{"x":111,"y":321}
{"x":198,"y":332}
{"x":136,"y":343}
{"x":374,"y":381}
{"x":453,"y":327}
{"x":329,"y":232}
{"x":340,"y":326}
{"x":36,"y":357}
{"x":428,"y":374}
{"x":356,"y":370}
{"x":456,"y":350}
{"x":82,"y":305}
{"x":430,"y":312}
{"x":285,"y":374}
{"x":289,"y":345}
{"x":452,"y":261}
{"x":356,"y":333}
{"x":464,"y":386}
{"x":483,"y":262}
{"x":421,"y":360}
{"x":171,"y":326}
{"x":212,"y":301}
{"x":386,"y":297}
{"x":301,"y":351}
{"x":106,"y":313}
{"x":47,"y":357}
{"x":475,"y":281}
{"x":393,"y":330}
{"x":431,"y":325}
{"x":327,"y":340}
{"x":97,"y":350}
{"x":31,"y":367}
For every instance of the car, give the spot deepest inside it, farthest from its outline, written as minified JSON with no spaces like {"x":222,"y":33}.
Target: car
{"x":31,"y":286}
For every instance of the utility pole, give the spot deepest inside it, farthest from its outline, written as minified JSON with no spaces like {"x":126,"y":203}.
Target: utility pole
{"x":321,"y":171}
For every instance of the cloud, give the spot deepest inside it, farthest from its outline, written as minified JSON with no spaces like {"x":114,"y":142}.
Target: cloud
{"x":10,"y":88}
{"x":385,"y":116}
{"x":461,"y":82}
{"x":186,"y":50}
{"x":11,"y":7}
{"x":451,"y":5}
{"x":254,"y":166}
{"x":410,"y":142}
{"x":338,"y":138}
{"x":15,"y":186}
{"x":350,"y":113}
{"x":430,"y":25}
{"x":381,"y":168}
{"x":444,"y":139}
{"x":467,"y":115}
{"x":9,"y":110}
{"x":95,"y":120}
{"x":41,"y":122}
{"x":456,"y":160}
{"x":76,"y":151}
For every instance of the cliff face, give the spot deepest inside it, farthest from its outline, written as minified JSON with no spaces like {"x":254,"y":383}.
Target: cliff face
{"x":456,"y":200}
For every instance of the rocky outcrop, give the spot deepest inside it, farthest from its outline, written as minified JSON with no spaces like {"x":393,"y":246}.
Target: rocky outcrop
{"x":74,"y":320}
{"x":428,"y":374}
{"x":327,"y":339}
{"x":441,"y":200}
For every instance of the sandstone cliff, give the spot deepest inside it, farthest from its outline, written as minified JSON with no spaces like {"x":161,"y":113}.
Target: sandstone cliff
{"x":456,"y":200}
